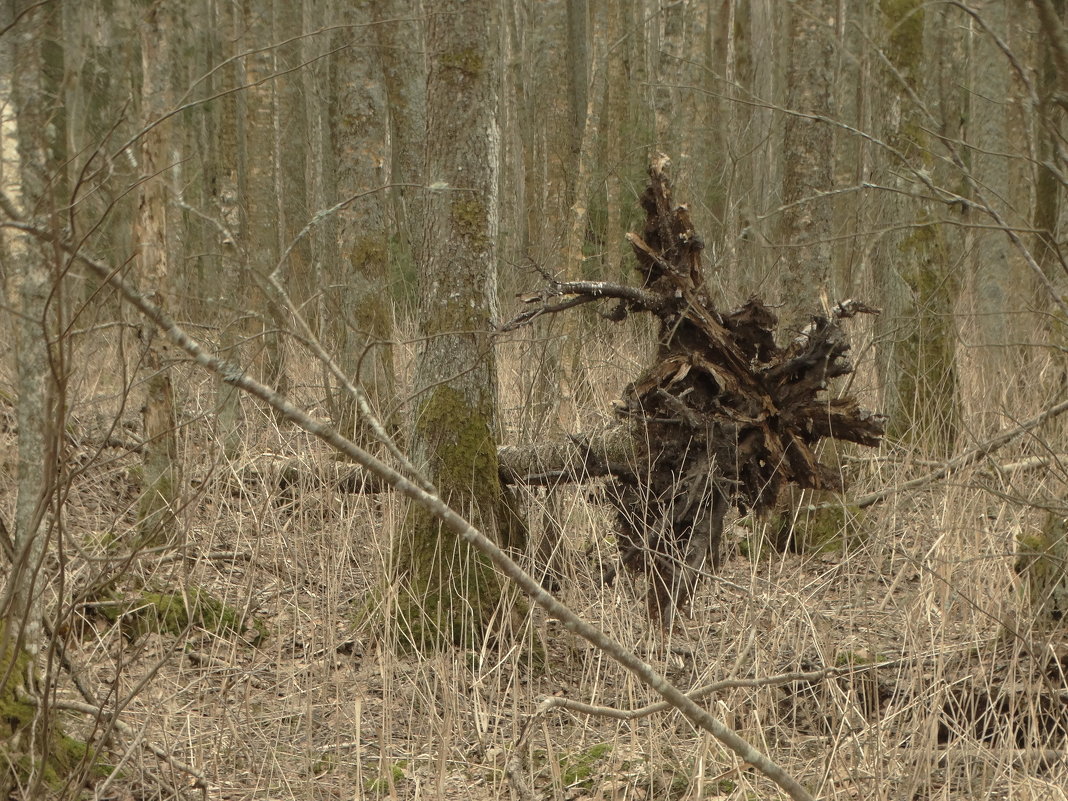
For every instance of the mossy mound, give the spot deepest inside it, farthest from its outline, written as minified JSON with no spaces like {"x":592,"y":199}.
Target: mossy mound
{"x":177,"y":611}
{"x":577,"y":770}
{"x":818,"y":529}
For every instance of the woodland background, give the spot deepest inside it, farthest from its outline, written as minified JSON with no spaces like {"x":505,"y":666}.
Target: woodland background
{"x":198,"y":584}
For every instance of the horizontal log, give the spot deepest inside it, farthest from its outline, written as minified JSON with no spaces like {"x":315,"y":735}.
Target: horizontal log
{"x":575,"y":459}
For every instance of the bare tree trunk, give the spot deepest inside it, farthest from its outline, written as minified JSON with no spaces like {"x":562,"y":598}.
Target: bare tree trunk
{"x":997,"y":268}
{"x":228,"y":268}
{"x":258,"y":173}
{"x":401,"y":55}
{"x":449,"y":594}
{"x":365,"y":311}
{"x":920,"y":288}
{"x":805,"y":223}
{"x":28,"y":730}
{"x":161,"y":490}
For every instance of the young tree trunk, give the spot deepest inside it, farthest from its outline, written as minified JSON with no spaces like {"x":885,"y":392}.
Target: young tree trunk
{"x":228,"y":271}
{"x":448,"y":593}
{"x":161,"y":489}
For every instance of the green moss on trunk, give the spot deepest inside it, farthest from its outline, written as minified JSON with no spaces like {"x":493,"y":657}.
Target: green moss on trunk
{"x":919,"y":363}
{"x":1041,"y":562}
{"x":927,"y":385}
{"x":23,"y":738}
{"x":449,"y":593}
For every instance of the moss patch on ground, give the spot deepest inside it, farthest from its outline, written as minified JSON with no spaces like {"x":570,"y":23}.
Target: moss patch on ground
{"x":176,"y":611}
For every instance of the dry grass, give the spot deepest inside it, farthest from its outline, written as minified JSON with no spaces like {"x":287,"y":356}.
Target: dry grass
{"x":325,"y":707}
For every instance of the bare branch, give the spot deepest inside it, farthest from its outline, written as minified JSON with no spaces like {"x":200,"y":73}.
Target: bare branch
{"x":960,"y":462}
{"x":587,"y":291}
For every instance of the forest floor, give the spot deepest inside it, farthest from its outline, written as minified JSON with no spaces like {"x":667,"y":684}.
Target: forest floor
{"x":303,"y":696}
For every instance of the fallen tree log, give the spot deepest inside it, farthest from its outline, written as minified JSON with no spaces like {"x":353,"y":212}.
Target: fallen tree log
{"x":579,"y":458}
{"x":724,"y":416}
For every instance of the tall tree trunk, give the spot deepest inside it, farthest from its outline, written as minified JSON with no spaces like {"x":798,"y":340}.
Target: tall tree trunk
{"x":997,"y":268}
{"x":918,"y":355}
{"x":258,"y":173}
{"x":805,"y":224}
{"x":573,"y":383}
{"x":365,"y":313}
{"x":1043,"y":557}
{"x":32,"y":304}
{"x":400,"y":48}
{"x":226,"y":266}
{"x":160,"y":501}
{"x":449,"y":594}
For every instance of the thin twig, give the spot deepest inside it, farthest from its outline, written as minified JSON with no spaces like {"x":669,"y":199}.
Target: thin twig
{"x":811,"y":677}
{"x":957,"y":464}
{"x":199,"y":781}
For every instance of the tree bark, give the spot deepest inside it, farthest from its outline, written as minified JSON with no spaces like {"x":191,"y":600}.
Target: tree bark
{"x":918,"y":359}
{"x":162,"y":481}
{"x":400,"y":52}
{"x":28,"y":730}
{"x":226,"y":264}
{"x":365,"y":312}
{"x":449,"y":594}
{"x":258,"y":173}
{"x":805,"y":222}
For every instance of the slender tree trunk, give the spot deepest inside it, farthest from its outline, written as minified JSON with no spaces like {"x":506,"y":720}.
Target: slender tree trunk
{"x":31,"y":310}
{"x":161,"y":490}
{"x":401,"y":55}
{"x":365,"y":313}
{"x":805,"y":223}
{"x":228,"y":269}
{"x":918,"y":356}
{"x":258,"y":174}
{"x":996,"y":268}
{"x":449,"y":594}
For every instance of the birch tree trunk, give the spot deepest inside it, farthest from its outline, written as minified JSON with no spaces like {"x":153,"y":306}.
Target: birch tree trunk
{"x":32,"y":304}
{"x":448,"y":593}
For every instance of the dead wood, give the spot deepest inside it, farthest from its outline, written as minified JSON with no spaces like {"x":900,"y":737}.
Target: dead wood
{"x":724,"y":416}
{"x":576,"y":459}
